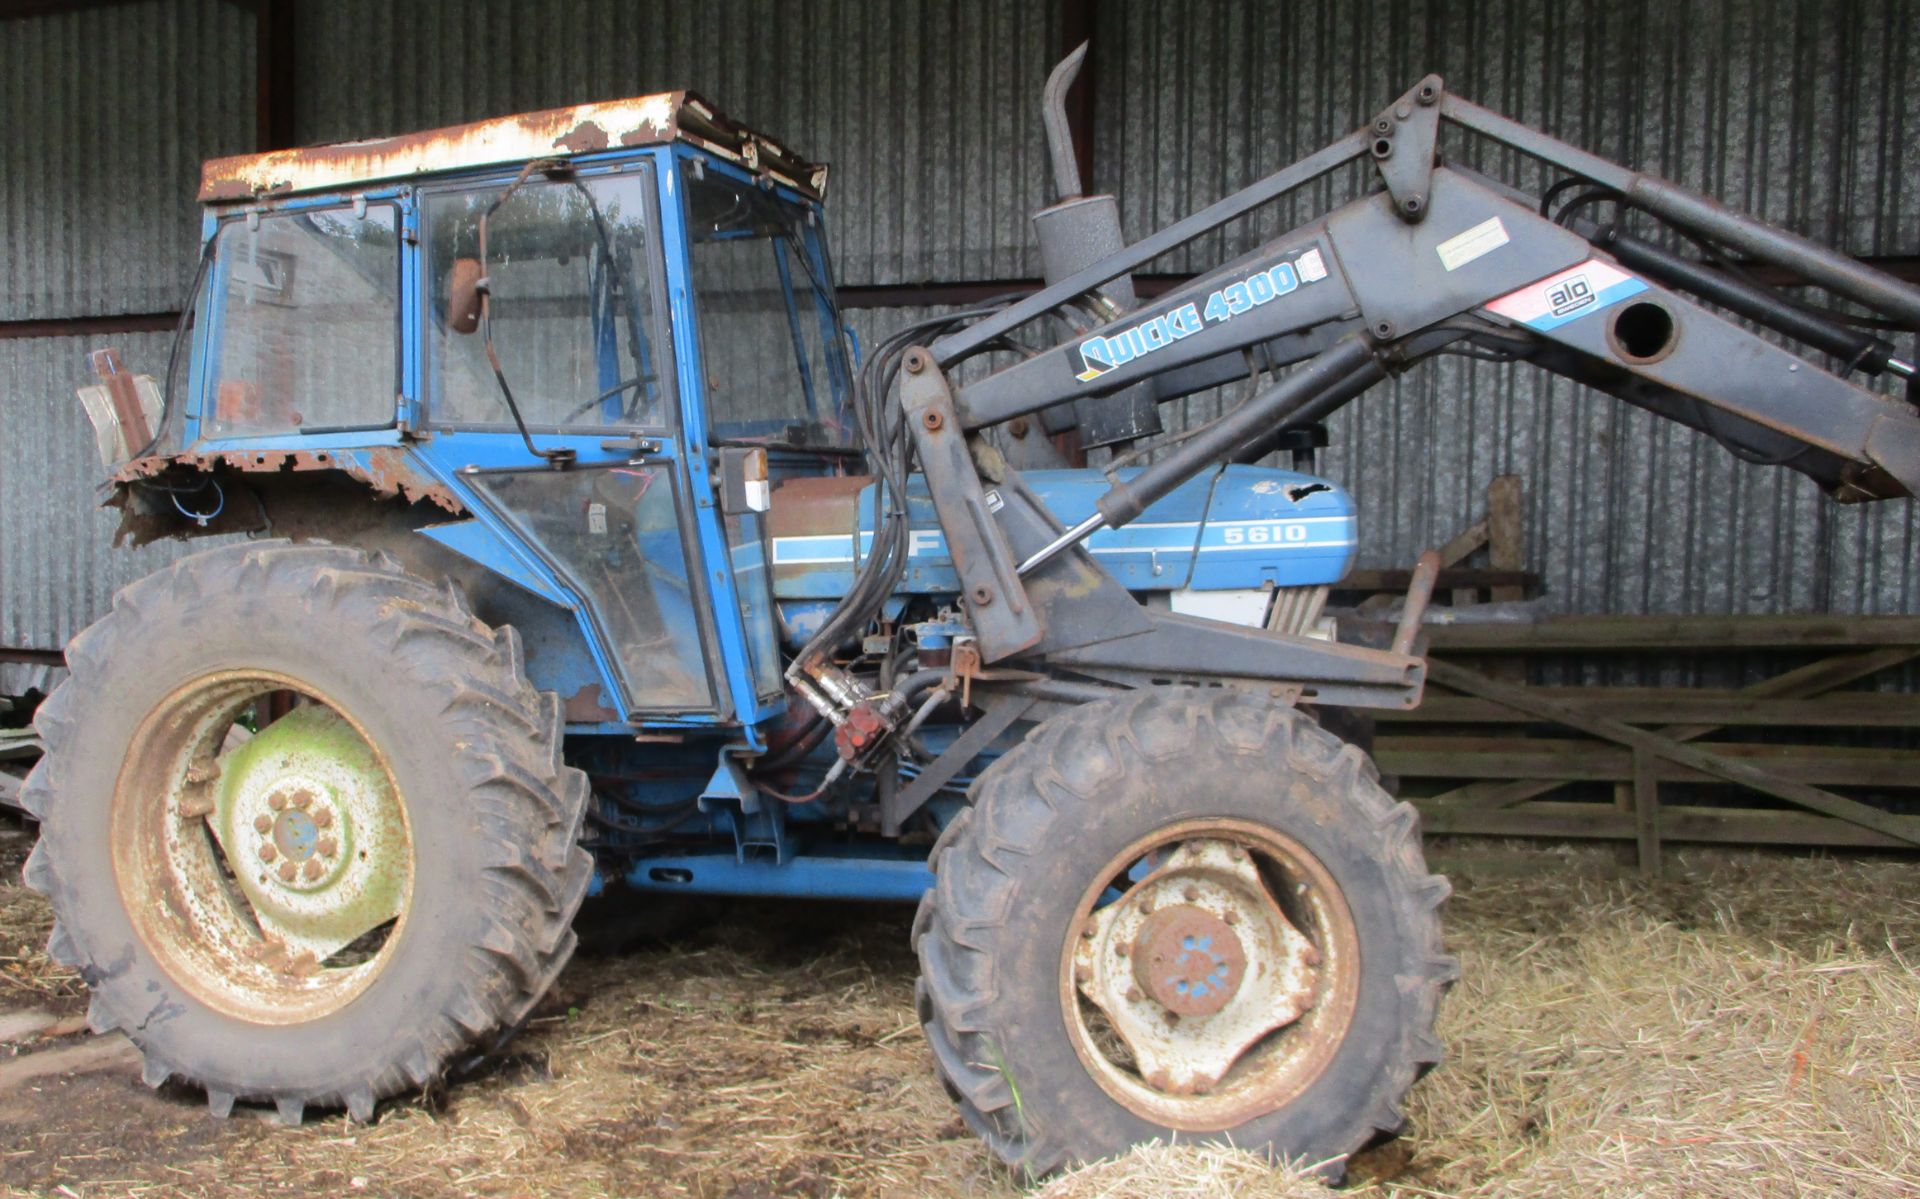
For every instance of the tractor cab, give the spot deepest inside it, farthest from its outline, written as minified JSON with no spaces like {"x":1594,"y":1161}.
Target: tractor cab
{"x":598,"y":350}
{"x":585,"y":340}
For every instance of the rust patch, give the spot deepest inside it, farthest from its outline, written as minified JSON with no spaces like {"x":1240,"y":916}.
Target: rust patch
{"x":812,"y":507}
{"x":585,"y":138}
{"x":388,"y":472}
{"x":1188,"y":960}
{"x":822,"y":508}
{"x":575,"y":129}
{"x":586,"y":707}
{"x":479,"y":143}
{"x":385,"y":469}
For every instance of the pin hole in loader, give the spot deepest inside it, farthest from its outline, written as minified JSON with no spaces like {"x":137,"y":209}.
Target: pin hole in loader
{"x":572,"y":549}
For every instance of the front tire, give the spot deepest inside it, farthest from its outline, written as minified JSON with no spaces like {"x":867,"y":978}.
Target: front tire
{"x":1181,"y":914}
{"x":323,"y":911}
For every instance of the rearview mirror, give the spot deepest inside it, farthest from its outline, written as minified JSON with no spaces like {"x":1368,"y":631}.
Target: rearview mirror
{"x":463,"y":295}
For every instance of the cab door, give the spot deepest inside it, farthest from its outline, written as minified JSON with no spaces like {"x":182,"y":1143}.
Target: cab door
{"x":571,"y":447}
{"x":763,"y":364}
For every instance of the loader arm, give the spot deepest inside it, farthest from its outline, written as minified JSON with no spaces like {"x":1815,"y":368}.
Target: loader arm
{"x":1437,"y":259}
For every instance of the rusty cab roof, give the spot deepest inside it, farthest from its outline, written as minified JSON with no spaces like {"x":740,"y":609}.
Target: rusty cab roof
{"x":577,"y":129}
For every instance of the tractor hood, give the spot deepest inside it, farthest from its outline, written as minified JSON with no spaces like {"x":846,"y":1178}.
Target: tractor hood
{"x":1231,"y":529}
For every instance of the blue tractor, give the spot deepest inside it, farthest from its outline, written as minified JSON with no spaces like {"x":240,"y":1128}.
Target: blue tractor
{"x":569,"y":546}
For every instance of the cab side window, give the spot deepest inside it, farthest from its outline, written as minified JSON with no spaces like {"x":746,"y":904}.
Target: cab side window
{"x":571,"y":305}
{"x":307,"y":335}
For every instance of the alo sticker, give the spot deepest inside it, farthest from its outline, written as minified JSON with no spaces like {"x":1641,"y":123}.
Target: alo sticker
{"x":1567,"y":296}
{"x":1101,"y":353}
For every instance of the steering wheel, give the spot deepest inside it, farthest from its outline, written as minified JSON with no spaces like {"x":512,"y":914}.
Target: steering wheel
{"x":609,"y":393}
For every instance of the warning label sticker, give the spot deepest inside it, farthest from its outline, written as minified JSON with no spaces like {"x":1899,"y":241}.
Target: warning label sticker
{"x":1462,"y":248}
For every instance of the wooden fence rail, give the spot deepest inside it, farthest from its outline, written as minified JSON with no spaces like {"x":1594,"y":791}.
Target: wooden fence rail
{"x":1500,"y":749}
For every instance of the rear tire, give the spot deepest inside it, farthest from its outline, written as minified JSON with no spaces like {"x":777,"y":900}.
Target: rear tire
{"x":1188,"y":787}
{"x":491,"y":815}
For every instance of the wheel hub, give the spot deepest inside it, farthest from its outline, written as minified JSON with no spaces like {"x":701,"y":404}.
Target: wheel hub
{"x":1188,"y":960}
{"x":1195,"y":965}
{"x":307,"y":820}
{"x":300,"y":834}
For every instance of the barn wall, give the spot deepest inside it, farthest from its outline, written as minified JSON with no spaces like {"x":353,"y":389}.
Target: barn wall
{"x":1797,"y":112}
{"x":928,"y":112}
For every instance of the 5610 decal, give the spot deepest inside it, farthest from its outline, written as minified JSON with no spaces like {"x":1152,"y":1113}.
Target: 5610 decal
{"x":1103,"y":352}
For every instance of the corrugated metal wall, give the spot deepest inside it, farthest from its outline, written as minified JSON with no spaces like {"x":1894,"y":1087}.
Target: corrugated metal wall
{"x":928,"y":112}
{"x":1798,"y":112}
{"x":57,"y":568}
{"x":107,"y":115}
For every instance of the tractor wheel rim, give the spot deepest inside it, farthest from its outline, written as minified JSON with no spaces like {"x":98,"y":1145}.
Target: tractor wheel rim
{"x":268,"y":874}
{"x":1210,"y":974}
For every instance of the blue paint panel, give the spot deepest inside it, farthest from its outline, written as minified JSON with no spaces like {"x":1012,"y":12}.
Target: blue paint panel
{"x":475,"y":541}
{"x":1237,"y":527}
{"x":448,"y":454}
{"x":805,"y":877}
{"x":1274,"y":526}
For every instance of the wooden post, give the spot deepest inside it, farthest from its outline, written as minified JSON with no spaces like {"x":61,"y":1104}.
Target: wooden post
{"x":1505,"y":542}
{"x":1625,"y":854}
{"x":1646,"y":813}
{"x":1505,"y":551}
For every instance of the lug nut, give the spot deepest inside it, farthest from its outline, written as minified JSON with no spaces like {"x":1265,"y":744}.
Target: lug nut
{"x":323,"y":817}
{"x":326,"y":847}
{"x":1191,"y":893}
{"x":276,"y":801}
{"x":267,"y":852}
{"x":262,"y":824}
{"x":203,"y":770}
{"x":1231,"y":916}
{"x":302,"y":799}
{"x":311,"y":870}
{"x":287,"y":871}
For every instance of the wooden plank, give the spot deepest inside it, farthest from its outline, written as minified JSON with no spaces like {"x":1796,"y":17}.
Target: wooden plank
{"x":1677,"y":632}
{"x":22,"y":1025}
{"x":1489,"y":862}
{"x":1451,"y":579}
{"x":1678,"y":823}
{"x":1747,"y":774}
{"x":1464,"y":543}
{"x":1682,"y":705}
{"x":1566,"y":760}
{"x":1505,"y":546}
{"x":112,"y":1052}
{"x":1809,"y":680}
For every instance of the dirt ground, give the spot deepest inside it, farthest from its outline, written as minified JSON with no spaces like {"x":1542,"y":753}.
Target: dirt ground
{"x":1751,"y":1027}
